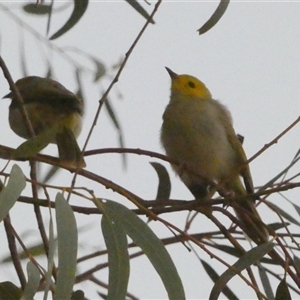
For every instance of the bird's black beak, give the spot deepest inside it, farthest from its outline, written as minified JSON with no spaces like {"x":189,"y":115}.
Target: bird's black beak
{"x":172,"y":74}
{"x":7,"y":96}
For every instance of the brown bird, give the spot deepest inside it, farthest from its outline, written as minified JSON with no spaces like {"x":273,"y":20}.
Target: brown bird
{"x":52,"y":110}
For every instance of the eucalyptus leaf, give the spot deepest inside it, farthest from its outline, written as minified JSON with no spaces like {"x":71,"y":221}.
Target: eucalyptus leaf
{"x":80,"y":7}
{"x":12,"y":191}
{"x":8,"y":291}
{"x":152,"y":246}
{"x":282,"y":291}
{"x":32,"y":282}
{"x":216,"y":16}
{"x":118,"y":257}
{"x":137,"y":6}
{"x":248,"y":259}
{"x":164,"y":185}
{"x":67,"y":239}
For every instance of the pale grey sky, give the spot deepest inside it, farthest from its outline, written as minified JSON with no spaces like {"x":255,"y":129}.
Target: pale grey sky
{"x":250,"y":61}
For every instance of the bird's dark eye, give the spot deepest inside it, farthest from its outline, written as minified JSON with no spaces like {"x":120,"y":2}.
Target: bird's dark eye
{"x":191,"y":84}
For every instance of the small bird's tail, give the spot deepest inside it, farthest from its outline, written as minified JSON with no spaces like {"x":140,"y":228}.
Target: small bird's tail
{"x":254,"y":227}
{"x":247,"y":213}
{"x":68,"y":149}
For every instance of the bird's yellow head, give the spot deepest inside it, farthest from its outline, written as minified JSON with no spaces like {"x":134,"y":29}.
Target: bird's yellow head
{"x":187,"y":85}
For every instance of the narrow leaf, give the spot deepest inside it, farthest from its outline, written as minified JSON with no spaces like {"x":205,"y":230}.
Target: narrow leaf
{"x":40,"y":9}
{"x":8,"y":291}
{"x":278,"y":225}
{"x":216,"y":16}
{"x":135,"y":4}
{"x":118,"y":258}
{"x":152,"y":246}
{"x":34,"y":145}
{"x":214,"y":276}
{"x":49,"y":17}
{"x":164,"y":185}
{"x":283,"y":213}
{"x":100,"y":68}
{"x":116,"y":122}
{"x":48,"y":275}
{"x":280,"y":174}
{"x":112,"y":114}
{"x":23,"y":60}
{"x":229,"y":250}
{"x":265,"y":282}
{"x":32,"y":283}
{"x":234,"y":252}
{"x":51,"y":172}
{"x":67,"y":236}
{"x":248,"y":259}
{"x":35,"y":250}
{"x":282,"y":291}
{"x":80,"y":7}
{"x":297,"y":208}
{"x":78,"y":295}
{"x":11,"y":192}
{"x":297,"y":261}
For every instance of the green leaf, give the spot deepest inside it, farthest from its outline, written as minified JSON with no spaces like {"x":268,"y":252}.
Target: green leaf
{"x":34,"y":145}
{"x":265,"y":282}
{"x":11,"y":192}
{"x":51,"y":253}
{"x":139,"y":9}
{"x":234,"y":252}
{"x":297,"y":261}
{"x":284,"y":214}
{"x":8,"y":291}
{"x":164,"y":186}
{"x":78,"y":295}
{"x":114,"y":118}
{"x":32,"y":283}
{"x":270,"y":183}
{"x":278,"y":225}
{"x":100,"y":68}
{"x":35,"y":250}
{"x":216,"y":16}
{"x":67,"y":239}
{"x":51,"y":172}
{"x":118,"y":258}
{"x":214,"y":276}
{"x":49,"y":17}
{"x":229,"y":250}
{"x":151,"y":245}
{"x":248,"y":259}
{"x":80,"y":7}
{"x":282,"y":291}
{"x":40,"y":9}
{"x":23,"y":60}
{"x":112,"y":114}
{"x":297,"y":208}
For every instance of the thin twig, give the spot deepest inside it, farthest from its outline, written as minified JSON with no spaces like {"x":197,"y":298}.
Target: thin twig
{"x":274,"y":141}
{"x":115,"y":80}
{"x":14,"y":252}
{"x":28,"y":124}
{"x":37,"y":209}
{"x":18,"y":97}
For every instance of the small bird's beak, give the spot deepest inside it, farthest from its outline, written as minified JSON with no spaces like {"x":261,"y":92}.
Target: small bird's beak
{"x":7,"y":96}
{"x":172,"y":74}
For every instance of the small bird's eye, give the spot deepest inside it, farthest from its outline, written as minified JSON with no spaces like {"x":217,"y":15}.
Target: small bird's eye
{"x":191,"y":84}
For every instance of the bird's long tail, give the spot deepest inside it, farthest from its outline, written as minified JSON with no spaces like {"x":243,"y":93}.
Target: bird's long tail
{"x":247,"y":213}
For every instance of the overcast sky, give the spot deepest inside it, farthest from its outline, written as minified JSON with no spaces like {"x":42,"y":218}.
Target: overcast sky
{"x":250,"y":61}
